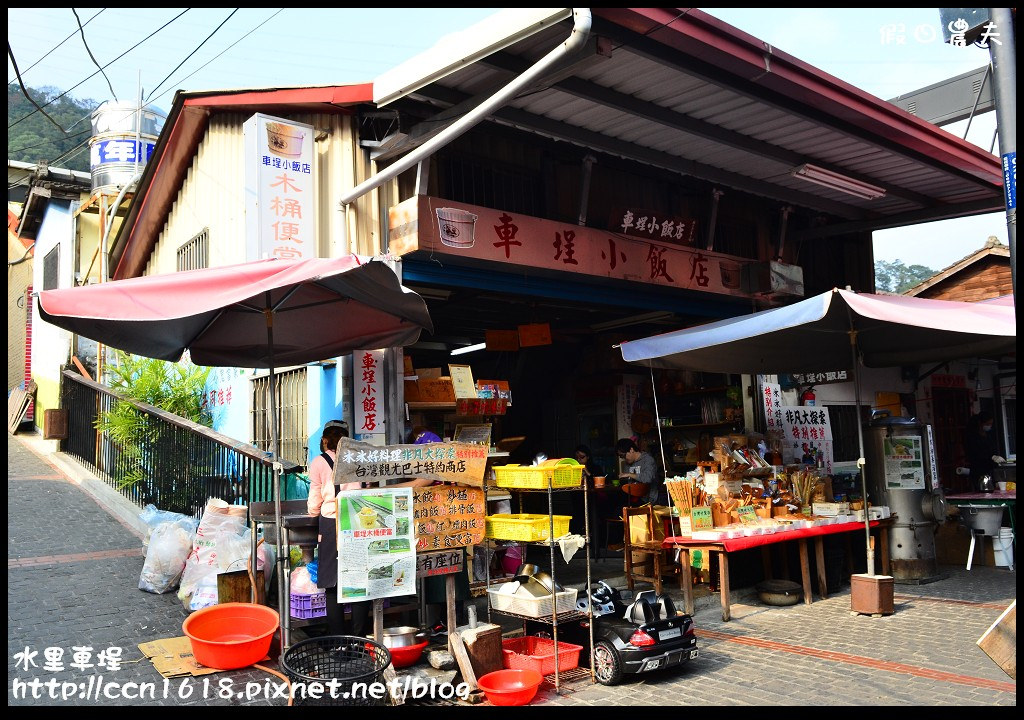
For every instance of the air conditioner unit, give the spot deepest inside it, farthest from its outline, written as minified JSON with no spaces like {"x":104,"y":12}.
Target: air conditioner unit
{"x":773,"y":278}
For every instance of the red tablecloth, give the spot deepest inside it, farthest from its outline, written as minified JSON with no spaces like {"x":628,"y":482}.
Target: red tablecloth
{"x":745,"y":543}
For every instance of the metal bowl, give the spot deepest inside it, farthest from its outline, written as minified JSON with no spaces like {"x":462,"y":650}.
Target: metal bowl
{"x":527,"y":570}
{"x":403,"y":636}
{"x":548,"y":582}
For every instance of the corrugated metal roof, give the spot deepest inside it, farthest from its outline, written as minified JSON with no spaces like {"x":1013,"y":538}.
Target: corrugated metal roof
{"x":685,"y":91}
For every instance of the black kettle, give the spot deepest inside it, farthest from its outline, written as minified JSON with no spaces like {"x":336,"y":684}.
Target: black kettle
{"x":986,"y":484}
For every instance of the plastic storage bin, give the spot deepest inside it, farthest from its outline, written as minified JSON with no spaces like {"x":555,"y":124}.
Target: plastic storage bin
{"x":309,"y":606}
{"x":529,"y":606}
{"x":536,"y":653}
{"x":525,"y":527}
{"x":564,"y":473}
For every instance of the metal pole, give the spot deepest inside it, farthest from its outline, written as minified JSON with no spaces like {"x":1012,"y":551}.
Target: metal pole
{"x":1004,"y":86}
{"x":860,"y":444}
{"x":283,"y":597}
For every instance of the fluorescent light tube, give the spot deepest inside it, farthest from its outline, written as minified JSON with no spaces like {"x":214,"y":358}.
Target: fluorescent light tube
{"x":835,"y":181}
{"x":469,"y":349}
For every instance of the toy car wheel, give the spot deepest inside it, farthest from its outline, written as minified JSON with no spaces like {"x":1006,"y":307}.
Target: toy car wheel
{"x":607,"y":666}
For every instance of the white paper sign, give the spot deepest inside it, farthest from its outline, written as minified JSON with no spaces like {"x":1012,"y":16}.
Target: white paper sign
{"x":807,"y":432}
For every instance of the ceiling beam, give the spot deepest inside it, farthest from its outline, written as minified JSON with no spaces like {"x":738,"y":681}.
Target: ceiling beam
{"x":596,"y":141}
{"x":664,"y":54}
{"x":586,"y":90}
{"x":914,"y":217}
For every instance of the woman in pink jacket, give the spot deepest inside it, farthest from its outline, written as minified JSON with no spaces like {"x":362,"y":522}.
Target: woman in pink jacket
{"x":321,"y":501}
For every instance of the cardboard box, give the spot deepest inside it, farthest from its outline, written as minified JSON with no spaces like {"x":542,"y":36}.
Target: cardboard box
{"x":436,"y":390}
{"x":880,"y":512}
{"x":830,"y":509}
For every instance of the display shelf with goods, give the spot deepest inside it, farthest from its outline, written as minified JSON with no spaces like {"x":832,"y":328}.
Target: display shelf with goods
{"x":693,"y":408}
{"x":558,"y":607}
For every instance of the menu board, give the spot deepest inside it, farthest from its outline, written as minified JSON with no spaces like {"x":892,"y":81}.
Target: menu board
{"x":376,"y":545}
{"x":448,"y":516}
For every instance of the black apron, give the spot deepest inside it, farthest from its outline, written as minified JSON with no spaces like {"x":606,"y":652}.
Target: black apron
{"x":327,"y":548}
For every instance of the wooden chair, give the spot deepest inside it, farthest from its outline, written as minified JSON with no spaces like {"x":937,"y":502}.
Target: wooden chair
{"x":650,"y":547}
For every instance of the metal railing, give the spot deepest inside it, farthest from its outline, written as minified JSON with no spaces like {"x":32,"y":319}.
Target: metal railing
{"x":175,"y":464}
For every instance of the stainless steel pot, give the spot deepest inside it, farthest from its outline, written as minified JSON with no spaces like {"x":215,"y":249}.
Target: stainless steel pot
{"x":403,"y":636}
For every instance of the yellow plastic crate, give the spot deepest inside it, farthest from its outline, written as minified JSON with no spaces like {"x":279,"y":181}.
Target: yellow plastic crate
{"x":525,"y":527}
{"x":561,"y":473}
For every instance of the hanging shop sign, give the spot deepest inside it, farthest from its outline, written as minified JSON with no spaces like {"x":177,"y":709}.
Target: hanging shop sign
{"x":447,"y":562}
{"x":448,"y":516}
{"x":654,"y":226}
{"x":429,"y":224}
{"x":456,"y":462}
{"x":376,"y":543}
{"x":369,"y":396}
{"x":807,"y":435}
{"x":772,"y":393}
{"x":279,"y":200}
{"x":788,"y":381}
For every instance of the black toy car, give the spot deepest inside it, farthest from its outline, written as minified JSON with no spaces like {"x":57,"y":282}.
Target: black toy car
{"x":631,"y":634}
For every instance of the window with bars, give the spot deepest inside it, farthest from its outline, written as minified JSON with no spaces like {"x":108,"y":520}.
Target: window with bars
{"x":195,"y":254}
{"x":291,"y":398}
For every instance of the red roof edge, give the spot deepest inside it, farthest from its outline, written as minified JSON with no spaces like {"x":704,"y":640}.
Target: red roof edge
{"x":702,"y":36}
{"x":176,"y":147}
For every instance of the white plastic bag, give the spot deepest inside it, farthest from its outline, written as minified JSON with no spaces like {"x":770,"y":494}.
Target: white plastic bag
{"x":221,"y":544}
{"x":169,"y":542}
{"x":169,"y":545}
{"x":302,"y":583}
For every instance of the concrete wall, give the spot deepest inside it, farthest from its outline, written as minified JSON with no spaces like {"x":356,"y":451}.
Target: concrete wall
{"x":51,"y":346}
{"x":19,"y":277}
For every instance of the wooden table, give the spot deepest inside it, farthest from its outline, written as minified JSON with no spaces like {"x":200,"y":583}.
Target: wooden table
{"x":723,"y":547}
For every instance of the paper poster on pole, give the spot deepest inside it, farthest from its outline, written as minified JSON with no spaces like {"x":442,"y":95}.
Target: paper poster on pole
{"x":903,"y":457}
{"x":376,"y":546}
{"x":807,"y":431}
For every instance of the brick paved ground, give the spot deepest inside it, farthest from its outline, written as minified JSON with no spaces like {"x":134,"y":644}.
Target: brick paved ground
{"x":73,"y":576}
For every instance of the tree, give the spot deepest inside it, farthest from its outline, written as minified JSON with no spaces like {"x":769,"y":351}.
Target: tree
{"x":898,"y":278}
{"x":174,"y":387}
{"x":32,"y":138}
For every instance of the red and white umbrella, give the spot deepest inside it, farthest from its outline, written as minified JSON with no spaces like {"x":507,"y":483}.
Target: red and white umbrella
{"x":260,"y":314}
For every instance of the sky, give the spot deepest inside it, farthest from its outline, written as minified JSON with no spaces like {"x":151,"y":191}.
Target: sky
{"x":884,"y":51}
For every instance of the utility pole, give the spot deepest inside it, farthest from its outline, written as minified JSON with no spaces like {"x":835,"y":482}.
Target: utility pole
{"x":1004,"y":82}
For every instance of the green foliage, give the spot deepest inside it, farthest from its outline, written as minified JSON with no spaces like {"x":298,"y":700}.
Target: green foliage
{"x":175,"y":388}
{"x":898,"y":278}
{"x":36,"y":139}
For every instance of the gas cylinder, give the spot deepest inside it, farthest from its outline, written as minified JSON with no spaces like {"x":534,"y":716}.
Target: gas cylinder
{"x":807,"y":398}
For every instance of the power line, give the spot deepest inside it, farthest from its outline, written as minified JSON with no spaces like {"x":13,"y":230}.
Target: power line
{"x":222,"y":52}
{"x":60,"y":43}
{"x":97,"y":72}
{"x":192,"y":53}
{"x":81,"y":29}
{"x":24,"y":91}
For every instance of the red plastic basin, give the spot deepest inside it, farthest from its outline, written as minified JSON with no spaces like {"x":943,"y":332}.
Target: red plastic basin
{"x":409,"y":655}
{"x":231,"y":635}
{"x":510,"y":687}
